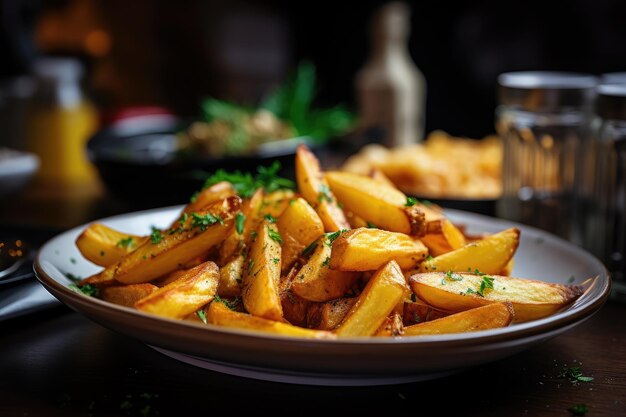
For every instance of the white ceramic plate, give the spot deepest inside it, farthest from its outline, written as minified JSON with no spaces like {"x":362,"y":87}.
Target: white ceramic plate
{"x":355,"y":361}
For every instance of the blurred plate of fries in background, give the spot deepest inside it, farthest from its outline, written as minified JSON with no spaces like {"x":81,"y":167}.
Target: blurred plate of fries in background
{"x":451,"y":171}
{"x":343,"y":280}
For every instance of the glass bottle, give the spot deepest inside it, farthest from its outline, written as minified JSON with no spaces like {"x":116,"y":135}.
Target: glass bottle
{"x":60,"y":123}
{"x":391,"y":89}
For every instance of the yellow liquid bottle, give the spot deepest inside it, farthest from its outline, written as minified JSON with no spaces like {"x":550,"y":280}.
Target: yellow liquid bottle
{"x":60,"y":123}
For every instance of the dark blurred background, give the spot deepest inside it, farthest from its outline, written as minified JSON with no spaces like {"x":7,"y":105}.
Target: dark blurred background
{"x":172,"y":54}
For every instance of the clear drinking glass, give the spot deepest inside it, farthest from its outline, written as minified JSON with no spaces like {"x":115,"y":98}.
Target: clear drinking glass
{"x":543,"y":119}
{"x":605,"y":233}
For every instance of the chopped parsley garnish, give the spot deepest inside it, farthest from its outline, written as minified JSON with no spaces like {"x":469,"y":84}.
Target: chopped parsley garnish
{"x":201,"y":315}
{"x":73,"y":260}
{"x":125,"y":243}
{"x":451,"y":276}
{"x":250,"y":266}
{"x":571,"y":279}
{"x":309,"y":249}
{"x":274,"y":235}
{"x":331,"y":237}
{"x":276,"y":260}
{"x":324,"y":194}
{"x":410,"y":201}
{"x":89,"y":290}
{"x":575,"y":374}
{"x":253,"y":234}
{"x":240,"y":218}
{"x":230,"y":304}
{"x":202,"y":222}
{"x":75,"y":279}
{"x":371,"y":225}
{"x":487,"y":282}
{"x":156,"y":236}
{"x":430,"y":258}
{"x":183,"y":219}
{"x":326,"y":261}
{"x":245,"y":184}
{"x":578,"y":409}
{"x":194,"y":197}
{"x":270,"y":218}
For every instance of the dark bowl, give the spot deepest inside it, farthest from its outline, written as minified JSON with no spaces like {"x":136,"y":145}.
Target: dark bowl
{"x":139,"y":161}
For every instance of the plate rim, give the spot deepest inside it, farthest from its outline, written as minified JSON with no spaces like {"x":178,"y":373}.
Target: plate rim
{"x":546,"y":325}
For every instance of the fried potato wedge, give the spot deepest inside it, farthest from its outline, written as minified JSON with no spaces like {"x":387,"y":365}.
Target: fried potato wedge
{"x":383,"y":292}
{"x":231,"y":277}
{"x":530,"y":299}
{"x":220,"y":315}
{"x":299,"y":226}
{"x":276,"y":202}
{"x":261,"y":277}
{"x":294,"y":308}
{"x":448,"y":239}
{"x":207,"y":196}
{"x":127,"y":295}
{"x":368,"y":249}
{"x":378,"y":175}
{"x":105,"y":246}
{"x":329,"y":315}
{"x":176,"y":246}
{"x":417,"y":312}
{"x":491,"y":316}
{"x":316,"y":192}
{"x":239,"y":237}
{"x":317,"y":282}
{"x":187,"y":294}
{"x":489,"y":255}
{"x":377,"y":203}
{"x":392,"y":326}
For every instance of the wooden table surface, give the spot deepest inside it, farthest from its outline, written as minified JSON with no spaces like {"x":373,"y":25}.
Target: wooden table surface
{"x":58,"y":363}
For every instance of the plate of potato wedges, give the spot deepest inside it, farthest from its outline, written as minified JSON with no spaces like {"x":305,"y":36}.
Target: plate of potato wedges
{"x":333,"y":279}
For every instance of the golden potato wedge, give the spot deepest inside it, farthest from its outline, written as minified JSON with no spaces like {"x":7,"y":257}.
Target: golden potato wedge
{"x":383,"y":206}
{"x":231,"y":278}
{"x":378,"y":175}
{"x":379,"y":297}
{"x":207,"y":196}
{"x":327,"y":316}
{"x":247,"y":221}
{"x":276,"y":202}
{"x":126,"y":295}
{"x":491,"y":316}
{"x":530,"y":299}
{"x":219,"y":314}
{"x":171,"y":277}
{"x":187,"y":294}
{"x":261,"y":276}
{"x":315,"y":190}
{"x":104,"y":277}
{"x":448,"y":239}
{"x":368,"y":249}
{"x":356,"y":221}
{"x":392,"y":326}
{"x":299,"y":226}
{"x":171,"y":249}
{"x":294,"y":308}
{"x":489,"y":255}
{"x":105,"y":246}
{"x":317,"y":282}
{"x":508,"y":268}
{"x":418,"y":312}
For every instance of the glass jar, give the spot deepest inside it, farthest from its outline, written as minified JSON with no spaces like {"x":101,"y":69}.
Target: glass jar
{"x":605,"y":234}
{"x":543,"y":119}
{"x":61,"y":119}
